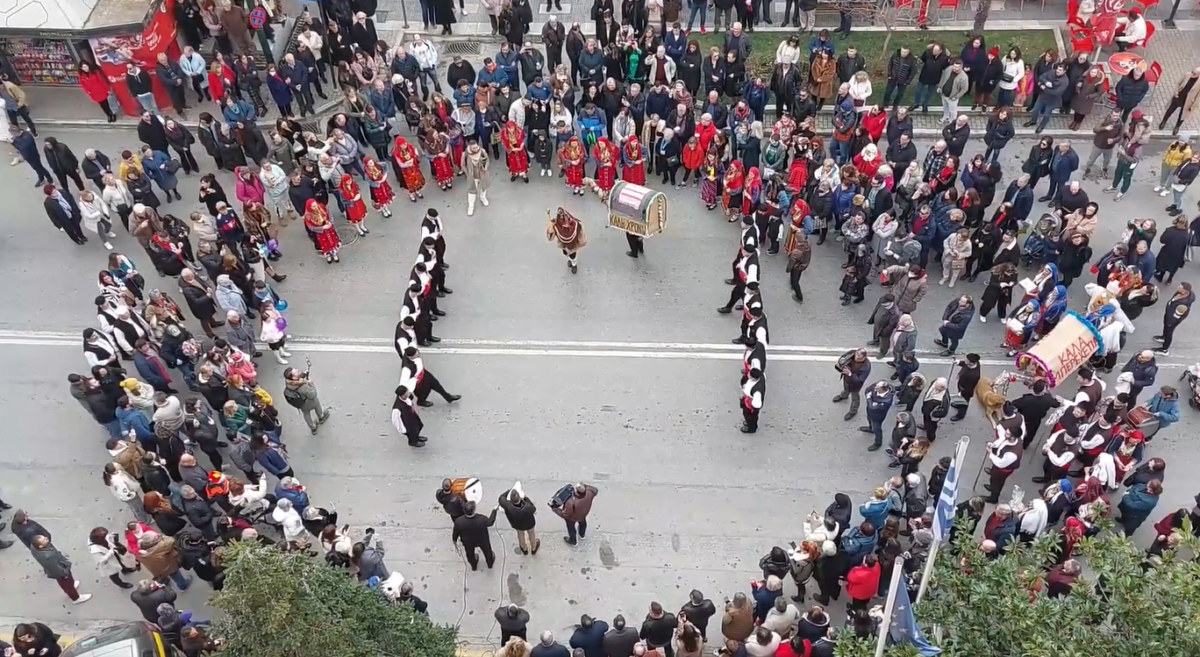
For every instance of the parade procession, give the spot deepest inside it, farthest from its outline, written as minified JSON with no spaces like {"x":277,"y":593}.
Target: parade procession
{"x":1007,"y":324}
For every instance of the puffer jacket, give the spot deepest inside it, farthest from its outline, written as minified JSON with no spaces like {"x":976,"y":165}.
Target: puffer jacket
{"x":901,"y":70}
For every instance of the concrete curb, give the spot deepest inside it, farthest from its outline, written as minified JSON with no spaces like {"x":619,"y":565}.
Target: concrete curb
{"x":131,"y":124}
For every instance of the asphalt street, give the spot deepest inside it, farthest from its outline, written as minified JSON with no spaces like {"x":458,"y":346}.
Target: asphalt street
{"x":622,"y":376}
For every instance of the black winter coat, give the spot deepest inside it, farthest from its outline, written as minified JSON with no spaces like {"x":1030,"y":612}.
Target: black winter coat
{"x":522,"y":517}
{"x":1174,"y":248}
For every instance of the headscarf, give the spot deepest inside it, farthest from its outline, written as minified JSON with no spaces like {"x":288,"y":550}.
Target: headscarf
{"x":841,"y":510}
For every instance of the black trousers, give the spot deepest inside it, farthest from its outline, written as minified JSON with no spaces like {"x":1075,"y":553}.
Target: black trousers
{"x":473,"y":557}
{"x":1168,"y":333}
{"x":429,"y":383}
{"x":794,"y":280}
{"x":74,"y":231}
{"x":735,"y":295}
{"x":636,"y":244}
{"x":63,"y":176}
{"x":996,"y":483}
{"x":187,"y":161}
{"x":750,"y":417}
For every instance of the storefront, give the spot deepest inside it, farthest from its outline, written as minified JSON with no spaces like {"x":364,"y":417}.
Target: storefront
{"x":42,"y":42}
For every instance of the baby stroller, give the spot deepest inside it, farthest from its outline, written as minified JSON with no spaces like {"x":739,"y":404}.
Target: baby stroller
{"x":1192,"y":376}
{"x":1041,"y":246}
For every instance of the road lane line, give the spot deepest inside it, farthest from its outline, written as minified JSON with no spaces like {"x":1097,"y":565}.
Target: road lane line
{"x":559,"y":348}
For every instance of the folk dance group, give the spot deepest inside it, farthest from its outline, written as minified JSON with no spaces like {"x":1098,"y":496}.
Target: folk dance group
{"x":426,"y":284}
{"x":349,"y":198}
{"x":747,"y":297}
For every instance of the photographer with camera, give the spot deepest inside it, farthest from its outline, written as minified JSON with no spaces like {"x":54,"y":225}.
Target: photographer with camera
{"x":301,"y":393}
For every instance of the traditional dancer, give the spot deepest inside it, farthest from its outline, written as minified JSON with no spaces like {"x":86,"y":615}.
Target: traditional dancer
{"x":633,"y":162}
{"x":571,"y":157}
{"x":1054,"y":308}
{"x":437,"y":149}
{"x":754,"y":390}
{"x":568,"y":232}
{"x":711,"y":172}
{"x":316,"y":220}
{"x":409,"y":166}
{"x":381,"y":191}
{"x":454,"y":138}
{"x":431,"y":226}
{"x":752,"y":195}
{"x":606,"y":163}
{"x":1018,"y":328}
{"x":405,"y":417}
{"x":515,"y":155}
{"x":356,"y":210}
{"x":734,"y":185}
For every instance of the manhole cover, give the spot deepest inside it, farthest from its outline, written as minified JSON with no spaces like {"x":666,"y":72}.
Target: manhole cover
{"x":348,"y":235}
{"x":461,"y":47}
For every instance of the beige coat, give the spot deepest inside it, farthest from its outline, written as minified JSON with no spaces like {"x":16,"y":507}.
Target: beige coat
{"x":161,"y":559}
{"x":477,"y":172}
{"x":1190,"y":104}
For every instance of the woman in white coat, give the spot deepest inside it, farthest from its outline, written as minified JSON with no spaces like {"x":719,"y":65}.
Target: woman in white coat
{"x":112,"y":558}
{"x":293,"y":526}
{"x":127,"y":489}
{"x":116,"y":195}
{"x":96,"y":217}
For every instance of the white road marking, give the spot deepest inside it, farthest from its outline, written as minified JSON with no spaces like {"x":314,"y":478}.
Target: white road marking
{"x":558,"y":348}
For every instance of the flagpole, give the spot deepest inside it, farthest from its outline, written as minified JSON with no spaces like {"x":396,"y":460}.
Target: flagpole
{"x":886,"y":624}
{"x":960,"y":453}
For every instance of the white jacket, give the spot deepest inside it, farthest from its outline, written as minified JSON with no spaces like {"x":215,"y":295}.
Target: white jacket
{"x":251,"y":496}
{"x":108,"y":562}
{"x":124,"y":487}
{"x":293,"y":525}
{"x":426,"y":54}
{"x":1016,"y":70}
{"x":312,"y":40}
{"x":93,"y":212}
{"x":117,"y":195}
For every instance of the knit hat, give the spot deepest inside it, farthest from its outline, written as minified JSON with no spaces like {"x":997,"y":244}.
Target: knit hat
{"x":1136,"y":115}
{"x":994,"y":51}
{"x":129,"y":384}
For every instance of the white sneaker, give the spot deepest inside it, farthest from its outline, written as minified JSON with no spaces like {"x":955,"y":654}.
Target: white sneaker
{"x":483,"y":199}
{"x":1164,"y":192}
{"x":1158,"y":188}
{"x":110,"y":234}
{"x":279,"y":357}
{"x":108,"y":246}
{"x":982,"y":319}
{"x":82,"y":599}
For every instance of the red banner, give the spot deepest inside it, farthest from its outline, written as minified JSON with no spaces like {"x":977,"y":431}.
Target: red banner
{"x":113,"y":54}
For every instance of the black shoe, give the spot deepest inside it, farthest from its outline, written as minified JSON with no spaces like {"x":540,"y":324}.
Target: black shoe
{"x":987,"y":487}
{"x":435,"y":339}
{"x":874,"y":447}
{"x":568,"y":541}
{"x":730,"y":281}
{"x":1040,"y":480}
{"x":631,"y":254}
{"x":279,"y":278}
{"x":439,"y":313}
{"x":441,"y":294}
{"x":425,"y":403}
{"x":5,"y":507}
{"x":725,"y":310}
{"x":1045,"y":199}
{"x":873,"y":343}
{"x":738,"y":341}
{"x":451,"y":398}
{"x":124,"y":585}
{"x":446,"y":290}
{"x":1028,"y":123}
{"x":746,"y":429}
{"x":865,"y":429}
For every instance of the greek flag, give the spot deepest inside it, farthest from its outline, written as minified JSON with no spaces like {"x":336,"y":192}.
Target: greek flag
{"x":904,"y":629}
{"x":943,"y":515}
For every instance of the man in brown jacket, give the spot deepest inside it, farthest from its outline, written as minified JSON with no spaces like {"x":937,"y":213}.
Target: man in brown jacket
{"x":798,"y":259}
{"x":1186,"y":100}
{"x":160,"y":556}
{"x":575,"y":511}
{"x":127,"y":454}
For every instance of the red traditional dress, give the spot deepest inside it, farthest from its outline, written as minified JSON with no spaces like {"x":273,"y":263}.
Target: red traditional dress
{"x":381,"y":191}
{"x":356,"y":210}
{"x":735,"y":183}
{"x":438,"y":150}
{"x":316,"y":220}
{"x":606,"y":163}
{"x":798,"y":175}
{"x":409,"y":166}
{"x":571,"y":156}
{"x":633,"y":162}
{"x":753,"y":193}
{"x":515,"y":155}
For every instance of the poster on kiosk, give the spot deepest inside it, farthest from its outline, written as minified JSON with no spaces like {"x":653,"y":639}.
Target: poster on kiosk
{"x":114,"y":54}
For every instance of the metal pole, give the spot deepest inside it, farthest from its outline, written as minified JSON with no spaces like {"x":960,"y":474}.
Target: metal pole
{"x":1169,"y":23}
{"x":886,"y":624}
{"x":404,"y":14}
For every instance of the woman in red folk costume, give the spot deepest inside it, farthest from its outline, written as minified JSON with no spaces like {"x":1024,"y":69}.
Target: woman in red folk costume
{"x":571,"y":157}
{"x":797,"y":176}
{"x":316,"y":220}
{"x":356,"y":210}
{"x":437,"y":149}
{"x":381,"y":191}
{"x":753,"y":193}
{"x":409,"y":165}
{"x":606,"y":163}
{"x":516,"y":157}
{"x":731,"y":194}
{"x":633,"y":162}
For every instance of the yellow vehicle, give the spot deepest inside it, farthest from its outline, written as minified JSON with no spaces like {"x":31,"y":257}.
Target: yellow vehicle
{"x":138,"y":639}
